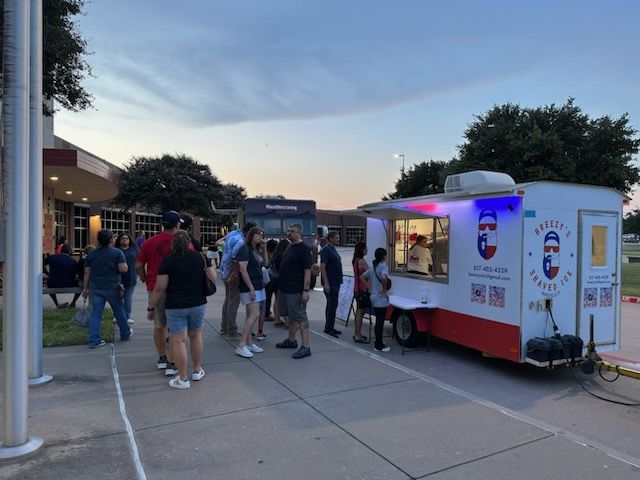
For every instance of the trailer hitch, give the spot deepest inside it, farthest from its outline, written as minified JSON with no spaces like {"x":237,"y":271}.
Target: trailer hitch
{"x":593,"y":360}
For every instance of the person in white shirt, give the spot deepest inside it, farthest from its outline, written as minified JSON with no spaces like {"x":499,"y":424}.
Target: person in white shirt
{"x":420,"y":256}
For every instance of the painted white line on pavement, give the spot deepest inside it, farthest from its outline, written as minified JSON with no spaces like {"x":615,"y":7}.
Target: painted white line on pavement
{"x":123,"y":413}
{"x":623,"y":457}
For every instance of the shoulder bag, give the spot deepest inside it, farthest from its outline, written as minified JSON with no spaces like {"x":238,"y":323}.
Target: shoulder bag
{"x":363,"y":297}
{"x":380,"y":279}
{"x":208,"y":286}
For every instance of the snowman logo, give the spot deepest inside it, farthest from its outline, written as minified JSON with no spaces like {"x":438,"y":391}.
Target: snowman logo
{"x":487,"y":233}
{"x":551,"y":258}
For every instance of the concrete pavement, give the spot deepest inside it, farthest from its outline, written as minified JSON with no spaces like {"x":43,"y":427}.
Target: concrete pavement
{"x":343,"y":413}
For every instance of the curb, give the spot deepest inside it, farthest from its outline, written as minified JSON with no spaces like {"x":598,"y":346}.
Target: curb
{"x":630,"y":299}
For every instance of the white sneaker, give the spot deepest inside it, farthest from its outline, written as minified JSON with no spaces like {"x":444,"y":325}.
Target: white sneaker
{"x":385,"y":349}
{"x":195,"y":376}
{"x":255,"y":348}
{"x":179,"y":384}
{"x":130,"y":321}
{"x":243,"y":352}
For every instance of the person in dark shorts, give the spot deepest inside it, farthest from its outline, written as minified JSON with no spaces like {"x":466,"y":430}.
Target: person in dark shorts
{"x":180,"y":282}
{"x":293,"y":291}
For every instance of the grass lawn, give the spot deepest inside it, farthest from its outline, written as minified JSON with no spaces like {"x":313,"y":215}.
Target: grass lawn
{"x":631,"y":279}
{"x":59,"y":332}
{"x":631,"y":249}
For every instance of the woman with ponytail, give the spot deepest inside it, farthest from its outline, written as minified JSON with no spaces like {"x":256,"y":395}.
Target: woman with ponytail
{"x":377,"y":276}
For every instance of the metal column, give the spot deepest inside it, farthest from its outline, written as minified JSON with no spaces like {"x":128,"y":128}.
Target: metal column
{"x":34,"y":239}
{"x":16,"y":441}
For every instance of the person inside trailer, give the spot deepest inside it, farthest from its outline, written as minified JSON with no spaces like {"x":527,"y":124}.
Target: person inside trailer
{"x":420,"y":256}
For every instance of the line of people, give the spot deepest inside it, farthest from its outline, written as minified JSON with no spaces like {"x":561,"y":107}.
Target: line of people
{"x":255,"y":273}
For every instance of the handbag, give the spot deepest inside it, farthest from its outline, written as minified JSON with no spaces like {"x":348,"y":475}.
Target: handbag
{"x":380,"y":279}
{"x":234,"y":274}
{"x":81,"y":317}
{"x":208,"y":285}
{"x":363,"y":299}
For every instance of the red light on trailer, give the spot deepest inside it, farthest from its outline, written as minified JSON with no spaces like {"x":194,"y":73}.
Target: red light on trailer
{"x":520,"y":192}
{"x":625,"y":201}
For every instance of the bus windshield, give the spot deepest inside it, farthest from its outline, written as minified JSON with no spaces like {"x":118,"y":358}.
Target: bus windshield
{"x":270,"y":224}
{"x":308,"y":223}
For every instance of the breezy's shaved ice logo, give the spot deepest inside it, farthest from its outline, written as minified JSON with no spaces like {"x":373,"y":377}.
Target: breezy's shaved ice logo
{"x":487,"y":233}
{"x":551,"y":257}
{"x":555,"y":274}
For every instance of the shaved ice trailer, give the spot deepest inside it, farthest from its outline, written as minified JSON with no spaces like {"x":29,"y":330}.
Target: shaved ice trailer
{"x":507,"y":262}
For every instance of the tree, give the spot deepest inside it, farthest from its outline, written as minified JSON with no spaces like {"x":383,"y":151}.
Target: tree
{"x":233,"y":196}
{"x":551,"y":143}
{"x":64,"y":64}
{"x":631,"y":222}
{"x":421,"y":179}
{"x":171,"y":183}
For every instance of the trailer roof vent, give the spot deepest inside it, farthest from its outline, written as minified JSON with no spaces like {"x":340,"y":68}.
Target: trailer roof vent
{"x":478,"y":181}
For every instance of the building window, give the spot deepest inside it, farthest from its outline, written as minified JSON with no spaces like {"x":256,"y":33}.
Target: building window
{"x":80,"y":227}
{"x":209,"y":231}
{"x":338,"y":230}
{"x":61,"y":219}
{"x":149,"y":223}
{"x":354,"y":235}
{"x":115,"y":220}
{"x":421,"y":247}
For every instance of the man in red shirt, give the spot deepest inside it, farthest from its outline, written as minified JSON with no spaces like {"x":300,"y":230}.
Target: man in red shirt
{"x":153,"y":251}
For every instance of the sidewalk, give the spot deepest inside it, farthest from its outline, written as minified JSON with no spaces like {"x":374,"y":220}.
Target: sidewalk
{"x":343,"y":413}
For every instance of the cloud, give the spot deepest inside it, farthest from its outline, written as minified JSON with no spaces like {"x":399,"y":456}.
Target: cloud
{"x":212,"y":63}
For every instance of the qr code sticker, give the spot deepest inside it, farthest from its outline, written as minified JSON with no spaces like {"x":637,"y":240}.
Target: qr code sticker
{"x":478,"y":293}
{"x":496,"y":296}
{"x":590,"y":298}
{"x":606,"y":297}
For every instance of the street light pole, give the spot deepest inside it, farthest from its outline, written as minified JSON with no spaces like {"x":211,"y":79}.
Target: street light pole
{"x":400,"y":155}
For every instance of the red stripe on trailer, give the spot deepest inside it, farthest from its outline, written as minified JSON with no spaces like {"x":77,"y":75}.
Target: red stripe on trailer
{"x":498,"y":339}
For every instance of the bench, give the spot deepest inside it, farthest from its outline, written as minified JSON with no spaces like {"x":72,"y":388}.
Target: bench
{"x":58,"y":291}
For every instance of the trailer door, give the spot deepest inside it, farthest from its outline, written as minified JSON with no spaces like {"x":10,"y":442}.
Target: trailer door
{"x":598,"y":275}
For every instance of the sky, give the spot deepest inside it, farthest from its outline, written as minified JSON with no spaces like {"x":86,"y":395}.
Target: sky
{"x":312,"y":99}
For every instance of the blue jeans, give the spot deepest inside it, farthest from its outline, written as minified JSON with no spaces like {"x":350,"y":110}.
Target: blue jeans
{"x":98,"y":299}
{"x":128,"y":298}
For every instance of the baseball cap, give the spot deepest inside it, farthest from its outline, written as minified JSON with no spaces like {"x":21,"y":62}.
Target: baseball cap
{"x":171,"y":218}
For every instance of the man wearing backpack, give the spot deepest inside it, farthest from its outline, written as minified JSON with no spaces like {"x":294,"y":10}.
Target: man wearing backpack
{"x":229,"y":274}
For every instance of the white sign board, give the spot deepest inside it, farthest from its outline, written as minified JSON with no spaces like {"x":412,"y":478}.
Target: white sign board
{"x":345,"y":299}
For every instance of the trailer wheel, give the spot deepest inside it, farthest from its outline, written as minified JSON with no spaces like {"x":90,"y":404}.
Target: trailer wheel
{"x":404,"y":328}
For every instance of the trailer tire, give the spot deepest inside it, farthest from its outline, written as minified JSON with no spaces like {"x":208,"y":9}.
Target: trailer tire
{"x":404,"y":328}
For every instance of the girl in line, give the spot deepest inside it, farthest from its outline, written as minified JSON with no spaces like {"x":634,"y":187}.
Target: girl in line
{"x":251,"y":257}
{"x":377,"y":276}
{"x":361,"y":290}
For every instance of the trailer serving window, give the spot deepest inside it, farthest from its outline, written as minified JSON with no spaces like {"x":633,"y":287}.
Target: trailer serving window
{"x":421,"y":247}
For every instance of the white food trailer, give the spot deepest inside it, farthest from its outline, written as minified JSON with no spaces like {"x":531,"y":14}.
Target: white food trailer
{"x":505,"y":258}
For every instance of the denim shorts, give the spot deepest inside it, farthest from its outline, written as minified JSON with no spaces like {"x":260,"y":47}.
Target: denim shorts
{"x":180,"y":319}
{"x":245,"y":297}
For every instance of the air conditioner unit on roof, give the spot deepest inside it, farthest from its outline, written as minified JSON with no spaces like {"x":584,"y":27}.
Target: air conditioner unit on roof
{"x":478,"y":181}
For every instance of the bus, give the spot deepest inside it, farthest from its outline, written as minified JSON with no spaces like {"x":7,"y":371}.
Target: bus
{"x":274,"y":215}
